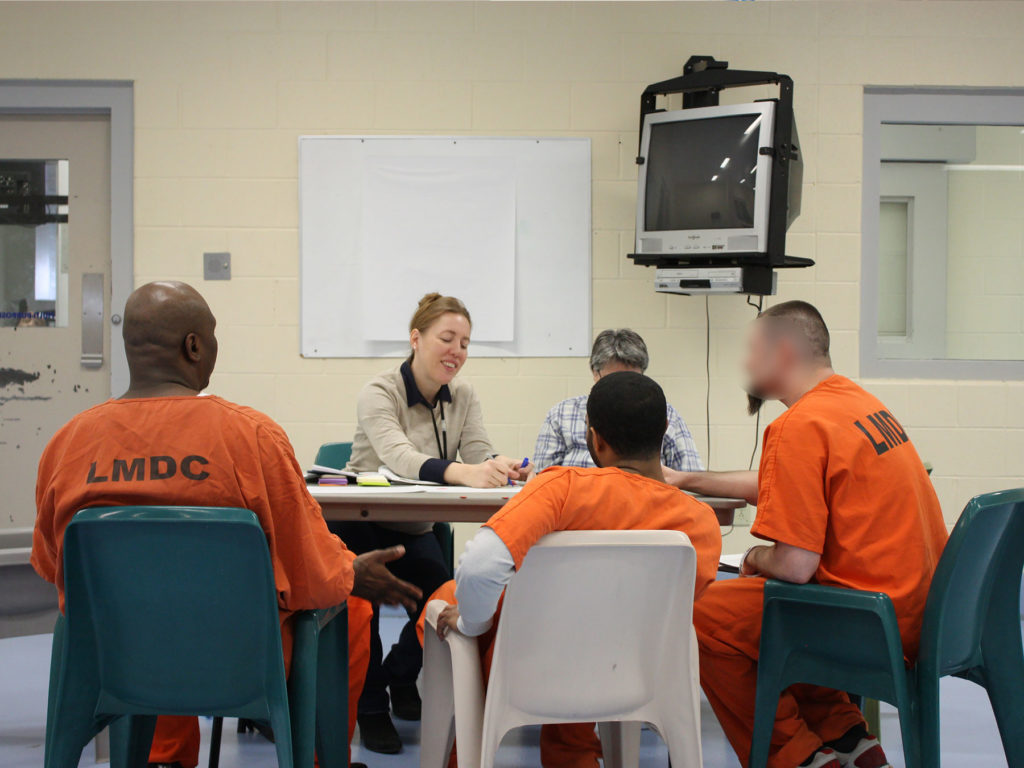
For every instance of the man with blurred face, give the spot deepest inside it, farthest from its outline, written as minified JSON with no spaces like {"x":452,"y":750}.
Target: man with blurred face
{"x":842,"y":500}
{"x":160,"y":443}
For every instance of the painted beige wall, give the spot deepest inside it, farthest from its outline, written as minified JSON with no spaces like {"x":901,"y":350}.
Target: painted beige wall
{"x":223,"y":90}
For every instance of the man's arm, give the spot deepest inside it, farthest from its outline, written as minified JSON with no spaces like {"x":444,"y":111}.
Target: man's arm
{"x":490,"y":558}
{"x":737,"y":484}
{"x":781,"y":561}
{"x":312,"y":567}
{"x":484,"y":571}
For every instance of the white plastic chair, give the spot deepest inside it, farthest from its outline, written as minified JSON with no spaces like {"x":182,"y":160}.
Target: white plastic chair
{"x":596,"y":626}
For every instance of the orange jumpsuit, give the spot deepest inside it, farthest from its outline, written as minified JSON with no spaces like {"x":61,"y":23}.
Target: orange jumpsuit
{"x":575,"y":499}
{"x":202,"y":451}
{"x":839,"y":477}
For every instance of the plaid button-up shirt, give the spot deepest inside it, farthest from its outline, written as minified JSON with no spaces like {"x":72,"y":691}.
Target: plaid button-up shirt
{"x":563,"y":439}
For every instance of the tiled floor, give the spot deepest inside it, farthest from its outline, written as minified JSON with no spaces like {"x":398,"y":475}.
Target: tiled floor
{"x":970,"y":739}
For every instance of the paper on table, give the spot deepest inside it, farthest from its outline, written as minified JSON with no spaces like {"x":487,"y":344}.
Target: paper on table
{"x":730,"y":562}
{"x":396,"y":478}
{"x":320,"y":469}
{"x":423,"y":217}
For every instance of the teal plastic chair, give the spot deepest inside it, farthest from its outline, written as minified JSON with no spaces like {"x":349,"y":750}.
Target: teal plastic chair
{"x":334,"y":455}
{"x":971,"y":629}
{"x":123,"y":655}
{"x":860,"y":651}
{"x":972,"y":620}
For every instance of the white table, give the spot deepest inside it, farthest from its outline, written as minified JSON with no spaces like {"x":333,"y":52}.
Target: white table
{"x":441,"y":504}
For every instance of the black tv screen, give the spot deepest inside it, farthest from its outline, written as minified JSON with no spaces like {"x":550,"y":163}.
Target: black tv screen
{"x":701,"y":174}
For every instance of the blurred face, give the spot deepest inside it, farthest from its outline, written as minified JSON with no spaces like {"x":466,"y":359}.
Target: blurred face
{"x":768,"y":358}
{"x":441,"y":350}
{"x":614,"y":366}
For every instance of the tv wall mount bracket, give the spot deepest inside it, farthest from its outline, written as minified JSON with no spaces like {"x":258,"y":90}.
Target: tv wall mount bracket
{"x":703,"y":79}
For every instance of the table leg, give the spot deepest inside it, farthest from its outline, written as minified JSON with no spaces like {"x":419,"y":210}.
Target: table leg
{"x":872,"y":715}
{"x":102,"y":746}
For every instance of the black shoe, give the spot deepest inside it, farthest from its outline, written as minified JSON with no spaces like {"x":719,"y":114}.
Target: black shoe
{"x":405,"y":701}
{"x":166,"y":765}
{"x":378,"y":734}
{"x":357,"y":765}
{"x":256,"y":726}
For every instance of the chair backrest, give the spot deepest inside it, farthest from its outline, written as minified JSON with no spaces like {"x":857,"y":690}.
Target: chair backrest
{"x":334,"y":455}
{"x":982,"y":562}
{"x":174,"y":607}
{"x":590,"y":620}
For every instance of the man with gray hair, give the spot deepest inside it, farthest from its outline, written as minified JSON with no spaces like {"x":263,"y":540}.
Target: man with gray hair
{"x":563,"y":437}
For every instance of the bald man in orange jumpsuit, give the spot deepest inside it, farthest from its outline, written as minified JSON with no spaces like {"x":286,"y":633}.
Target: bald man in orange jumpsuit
{"x":845,"y":501}
{"x":625,"y":491}
{"x":161,"y":443}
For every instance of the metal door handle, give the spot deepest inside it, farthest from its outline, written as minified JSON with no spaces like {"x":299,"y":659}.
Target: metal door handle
{"x":92,"y":319}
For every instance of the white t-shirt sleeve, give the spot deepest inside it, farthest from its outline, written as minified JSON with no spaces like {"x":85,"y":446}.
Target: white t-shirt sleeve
{"x":485,"y":569}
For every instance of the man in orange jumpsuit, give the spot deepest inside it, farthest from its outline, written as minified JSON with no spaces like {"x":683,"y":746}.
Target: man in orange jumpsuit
{"x":162,"y":443}
{"x":625,"y":491}
{"x":845,"y":501}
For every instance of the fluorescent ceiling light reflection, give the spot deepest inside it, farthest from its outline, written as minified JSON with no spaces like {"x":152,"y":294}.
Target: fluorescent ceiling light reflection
{"x":970,"y":167}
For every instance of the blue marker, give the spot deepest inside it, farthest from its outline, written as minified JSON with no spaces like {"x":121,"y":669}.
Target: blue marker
{"x":524,"y":465}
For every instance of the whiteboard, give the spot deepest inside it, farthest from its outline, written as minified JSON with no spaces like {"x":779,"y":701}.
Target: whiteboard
{"x":514,"y":241}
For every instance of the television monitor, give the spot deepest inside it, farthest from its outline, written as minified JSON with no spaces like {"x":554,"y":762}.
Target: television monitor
{"x":704,"y":183}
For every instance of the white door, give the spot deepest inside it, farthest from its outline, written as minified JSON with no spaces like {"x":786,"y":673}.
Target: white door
{"x":54,"y":289}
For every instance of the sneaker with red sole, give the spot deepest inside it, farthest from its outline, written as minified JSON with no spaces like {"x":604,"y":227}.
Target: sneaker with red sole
{"x":867,"y":754}
{"x":824,"y":758}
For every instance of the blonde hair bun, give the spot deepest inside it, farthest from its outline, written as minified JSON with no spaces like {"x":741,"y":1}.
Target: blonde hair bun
{"x":428,"y":299}
{"x":432,"y":306}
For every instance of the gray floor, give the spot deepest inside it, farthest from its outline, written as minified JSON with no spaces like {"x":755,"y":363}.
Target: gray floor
{"x":970,"y":739}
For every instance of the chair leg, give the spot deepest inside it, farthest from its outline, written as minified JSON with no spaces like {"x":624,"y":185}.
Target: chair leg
{"x":69,"y":713}
{"x":910,"y":730}
{"x":332,"y":694}
{"x":1003,"y":651}
{"x":71,"y":725}
{"x":928,"y":731}
{"x":684,"y":749}
{"x":468,"y":697}
{"x":215,"y":736}
{"x":280,"y":722}
{"x":620,"y":744}
{"x":438,"y":729}
{"x":1004,"y":687}
{"x":678,"y":717}
{"x":131,"y":738}
{"x":766,"y":704}
{"x":302,"y":691}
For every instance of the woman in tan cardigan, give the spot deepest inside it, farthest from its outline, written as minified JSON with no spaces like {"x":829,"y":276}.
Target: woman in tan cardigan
{"x":421,"y":422}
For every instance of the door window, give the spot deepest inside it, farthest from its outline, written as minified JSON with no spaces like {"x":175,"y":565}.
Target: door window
{"x":33,"y":243}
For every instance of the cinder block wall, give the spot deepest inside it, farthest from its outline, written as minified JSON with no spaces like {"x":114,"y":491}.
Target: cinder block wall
{"x":222,"y":91}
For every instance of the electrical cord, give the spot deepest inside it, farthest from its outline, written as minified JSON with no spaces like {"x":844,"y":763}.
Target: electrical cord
{"x":757,"y":435}
{"x":707,"y":372}
{"x":759,"y":306}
